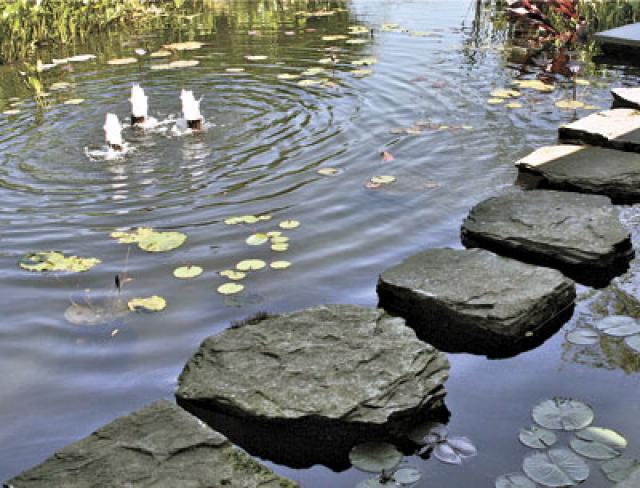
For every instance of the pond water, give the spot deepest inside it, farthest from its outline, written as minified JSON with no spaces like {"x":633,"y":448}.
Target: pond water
{"x":266,"y":140}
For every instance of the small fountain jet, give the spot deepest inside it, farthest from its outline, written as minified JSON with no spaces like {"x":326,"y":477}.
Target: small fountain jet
{"x":139,"y":105}
{"x":113,"y":132}
{"x":191,"y":110}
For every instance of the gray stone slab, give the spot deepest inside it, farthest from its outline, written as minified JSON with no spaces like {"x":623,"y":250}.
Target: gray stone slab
{"x":626,"y":98}
{"x":586,"y":169}
{"x":616,"y":129}
{"x":627,"y":35}
{"x":476,"y":301}
{"x":302,"y":388}
{"x":581,"y":235}
{"x":158,"y":446}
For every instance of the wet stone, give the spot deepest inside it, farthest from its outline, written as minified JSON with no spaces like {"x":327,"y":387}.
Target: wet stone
{"x":585,"y":169}
{"x":625,"y":38}
{"x":304,"y":387}
{"x":475,"y":301}
{"x":160,"y":445}
{"x":581,"y":235}
{"x":616,"y":129}
{"x":626,"y":98}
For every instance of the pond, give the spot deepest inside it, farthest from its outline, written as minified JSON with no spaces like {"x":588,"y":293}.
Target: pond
{"x":267,"y":137}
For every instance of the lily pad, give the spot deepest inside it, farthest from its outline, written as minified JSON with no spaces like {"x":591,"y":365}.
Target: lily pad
{"x":534,"y":85}
{"x":289,"y":224}
{"x":280,"y":264}
{"x":514,"y":480}
{"x":56,"y":261}
{"x":495,"y":101}
{"x":184,"y":46}
{"x":356,"y":41}
{"x":327,"y":171}
{"x":563,"y":414}
{"x":230,"y":288}
{"x":233,"y":275}
{"x":556,"y":468}
{"x":583,"y":337}
{"x":374,"y":457}
{"x":96,"y":311}
{"x":569,"y":104}
{"x":505,"y":93}
{"x":313,"y":71}
{"x":633,"y":343}
{"x":619,"y":469}
{"x":453,"y":450}
{"x":255,"y":58}
{"x":337,"y":37}
{"x":598,"y":443}
{"x":187,"y":272}
{"x":234,"y":70}
{"x":257,"y":239}
{"x":150,"y":240}
{"x":151,"y":304}
{"x":184,"y":63}
{"x":74,"y":101}
{"x":279,"y":239}
{"x":160,"y":54}
{"x":383,"y":180}
{"x":513,"y":105}
{"x":288,"y":76}
{"x":120,"y":61}
{"x":250,"y":265}
{"x":361,"y":72}
{"x":407,"y":475}
{"x":537,"y":437}
{"x":280,"y":247}
{"x":618,"y":326}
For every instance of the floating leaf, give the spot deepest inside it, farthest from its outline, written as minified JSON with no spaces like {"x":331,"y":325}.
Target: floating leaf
{"x":569,"y":104}
{"x":313,"y":71}
{"x":257,"y":239}
{"x":583,"y":337}
{"x":60,"y":85}
{"x":582,"y":82}
{"x":563,"y":414}
{"x":514,"y":480}
{"x":78,"y":58}
{"x":338,"y":37}
{"x":96,"y":311}
{"x":328,"y":171}
{"x":619,"y":469}
{"x":356,"y":41}
{"x":280,"y":264}
{"x":289,"y":224}
{"x":255,"y":58}
{"x":358,"y":29}
{"x":150,"y":240}
{"x":633,"y":343}
{"x":383,"y":180}
{"x":152,"y":304}
{"x":56,"y":261}
{"x":556,"y":468}
{"x":288,"y":76}
{"x":279,"y":239}
{"x":537,"y":437}
{"x":598,"y":443}
{"x":187,"y":272}
{"x":274,"y":233}
{"x":495,"y":101}
{"x":534,"y":85}
{"x":374,"y":457}
{"x":407,"y":475}
{"x":74,"y":101}
{"x":234,"y":70}
{"x":120,"y":61}
{"x":361,"y":72}
{"x":184,"y":63}
{"x":505,"y":93}
{"x":232,"y":275}
{"x":513,"y":105}
{"x":12,"y":111}
{"x":250,"y":265}
{"x":230,"y":288}
{"x":618,"y":326}
{"x":280,"y":247}
{"x":304,"y":83}
{"x":462,"y":446}
{"x":445,"y":453}
{"x":184,"y":46}
{"x":160,"y":54}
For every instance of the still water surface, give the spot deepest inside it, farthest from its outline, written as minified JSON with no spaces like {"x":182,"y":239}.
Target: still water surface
{"x":267,"y":139}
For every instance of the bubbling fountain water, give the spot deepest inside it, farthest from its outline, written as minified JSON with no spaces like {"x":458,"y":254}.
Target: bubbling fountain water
{"x":139,"y":105}
{"x":113,"y":132}
{"x":191,"y":110}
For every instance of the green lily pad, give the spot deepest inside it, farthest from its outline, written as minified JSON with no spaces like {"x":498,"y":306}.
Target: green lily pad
{"x":583,"y":337}
{"x":232,"y":275}
{"x":555,"y":468}
{"x":514,"y":480}
{"x":383,"y":180}
{"x":537,"y":437}
{"x":56,"y":261}
{"x":289,"y":224}
{"x":563,"y":414}
{"x":280,"y":247}
{"x":633,"y":343}
{"x":257,"y":239}
{"x":618,"y":326}
{"x":280,"y":264}
{"x":619,"y":469}
{"x":407,"y":475}
{"x":230,"y":288}
{"x":151,"y":304}
{"x":187,"y":272}
{"x":150,"y":240}
{"x":250,"y":265}
{"x":374,"y":457}
{"x":598,"y":443}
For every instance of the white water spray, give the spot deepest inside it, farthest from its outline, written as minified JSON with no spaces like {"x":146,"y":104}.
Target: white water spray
{"x":113,"y":132}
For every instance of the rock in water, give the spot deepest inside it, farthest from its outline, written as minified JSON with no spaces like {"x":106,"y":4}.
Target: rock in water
{"x":581,"y":235}
{"x":626,"y":98}
{"x":586,"y":169}
{"x":324,"y":379}
{"x":476,"y":301}
{"x":160,"y":445}
{"x":617,"y":129}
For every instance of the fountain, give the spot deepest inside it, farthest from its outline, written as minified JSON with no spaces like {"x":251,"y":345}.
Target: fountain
{"x":113,"y":132}
{"x":191,"y":110}
{"x":139,"y":105}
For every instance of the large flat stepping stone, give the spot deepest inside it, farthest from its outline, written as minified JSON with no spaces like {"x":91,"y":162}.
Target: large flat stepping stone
{"x":476,"y":301}
{"x":616,"y":129}
{"x":581,"y":235}
{"x":621,"y":39}
{"x":160,"y":445}
{"x":586,"y":169}
{"x":626,"y":98}
{"x":315,"y":382}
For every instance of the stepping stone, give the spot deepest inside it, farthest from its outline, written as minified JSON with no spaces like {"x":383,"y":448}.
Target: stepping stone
{"x":617,"y":129}
{"x":626,"y":98}
{"x":476,"y":301}
{"x":160,"y":445}
{"x":586,"y":169}
{"x":621,"y":39}
{"x":304,"y":387}
{"x":581,"y":235}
